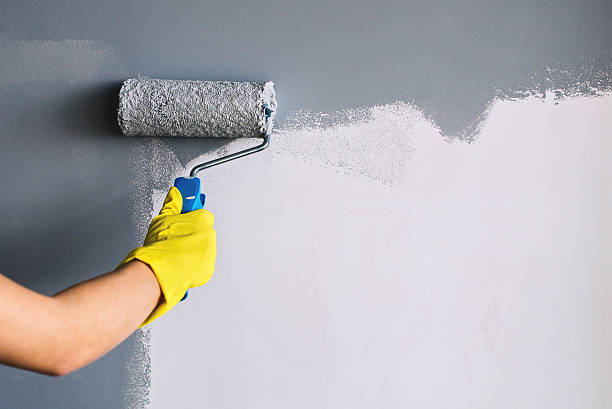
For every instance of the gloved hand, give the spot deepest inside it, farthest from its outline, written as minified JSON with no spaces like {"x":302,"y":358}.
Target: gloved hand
{"x":180,"y":249}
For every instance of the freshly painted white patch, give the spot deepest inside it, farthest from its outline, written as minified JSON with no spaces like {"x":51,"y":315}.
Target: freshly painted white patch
{"x":478,"y":278}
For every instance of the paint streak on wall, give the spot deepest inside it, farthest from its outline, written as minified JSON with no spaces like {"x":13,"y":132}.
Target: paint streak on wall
{"x":480,"y":270}
{"x":25,"y":61}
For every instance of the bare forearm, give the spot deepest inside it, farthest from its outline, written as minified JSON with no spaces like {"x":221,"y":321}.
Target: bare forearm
{"x":100,"y":313}
{"x":62,"y":333}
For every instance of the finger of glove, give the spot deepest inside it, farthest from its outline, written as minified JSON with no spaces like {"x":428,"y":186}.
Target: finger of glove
{"x":193,"y":223}
{"x":173,"y":204}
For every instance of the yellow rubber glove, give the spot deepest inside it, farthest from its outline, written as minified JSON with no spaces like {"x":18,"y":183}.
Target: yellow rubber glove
{"x":180,"y":249}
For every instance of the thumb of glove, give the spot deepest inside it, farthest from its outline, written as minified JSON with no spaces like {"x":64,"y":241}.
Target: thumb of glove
{"x":173,"y":204}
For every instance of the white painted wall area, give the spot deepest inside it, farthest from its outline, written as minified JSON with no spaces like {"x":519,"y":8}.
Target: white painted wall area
{"x":470,"y":276}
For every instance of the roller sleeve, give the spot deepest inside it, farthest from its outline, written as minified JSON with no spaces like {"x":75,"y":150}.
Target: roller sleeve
{"x":181,"y":108}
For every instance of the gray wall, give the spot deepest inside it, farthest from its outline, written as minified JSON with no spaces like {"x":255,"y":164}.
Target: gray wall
{"x":74,"y":198}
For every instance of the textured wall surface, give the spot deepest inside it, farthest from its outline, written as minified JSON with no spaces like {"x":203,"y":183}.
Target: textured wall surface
{"x":429,"y":227}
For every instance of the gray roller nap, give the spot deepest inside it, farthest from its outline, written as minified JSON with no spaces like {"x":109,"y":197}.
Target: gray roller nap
{"x":154,"y":107}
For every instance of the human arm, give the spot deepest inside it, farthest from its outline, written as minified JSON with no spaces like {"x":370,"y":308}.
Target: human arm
{"x":56,"y":335}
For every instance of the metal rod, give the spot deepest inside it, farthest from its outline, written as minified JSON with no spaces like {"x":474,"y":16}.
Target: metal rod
{"x":218,"y":161}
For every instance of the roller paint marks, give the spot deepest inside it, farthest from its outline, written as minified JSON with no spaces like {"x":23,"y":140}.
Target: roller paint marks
{"x":26,"y":61}
{"x":136,"y":388}
{"x":373,"y":142}
{"x":155,"y":166}
{"x":38,"y":74}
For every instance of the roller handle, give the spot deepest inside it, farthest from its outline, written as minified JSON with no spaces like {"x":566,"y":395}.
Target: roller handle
{"x":193,"y":199}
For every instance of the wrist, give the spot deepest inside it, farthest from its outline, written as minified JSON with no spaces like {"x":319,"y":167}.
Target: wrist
{"x":145,"y":277}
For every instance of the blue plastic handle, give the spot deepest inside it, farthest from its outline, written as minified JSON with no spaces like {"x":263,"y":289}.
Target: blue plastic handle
{"x":193,"y":199}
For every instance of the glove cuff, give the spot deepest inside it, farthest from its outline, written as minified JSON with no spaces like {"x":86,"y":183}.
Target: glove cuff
{"x":171,"y":294}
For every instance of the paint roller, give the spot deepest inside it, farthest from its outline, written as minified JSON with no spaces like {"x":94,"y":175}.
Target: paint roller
{"x":203,"y":109}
